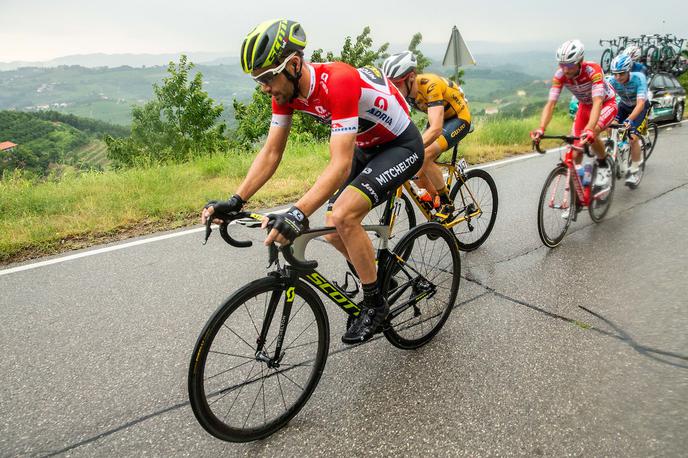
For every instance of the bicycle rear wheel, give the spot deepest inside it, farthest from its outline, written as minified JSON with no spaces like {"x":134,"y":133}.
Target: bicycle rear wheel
{"x":235,"y":393}
{"x":475,"y":199}
{"x":601,"y":199}
{"x":422,"y":289}
{"x":556,"y":207}
{"x":651,"y":138}
{"x":403,"y":222}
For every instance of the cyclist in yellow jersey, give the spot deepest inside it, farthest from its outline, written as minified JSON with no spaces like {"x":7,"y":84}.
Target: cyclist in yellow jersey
{"x":449,"y":119}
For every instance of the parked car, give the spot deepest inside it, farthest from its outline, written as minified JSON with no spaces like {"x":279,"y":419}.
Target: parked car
{"x":668,"y":97}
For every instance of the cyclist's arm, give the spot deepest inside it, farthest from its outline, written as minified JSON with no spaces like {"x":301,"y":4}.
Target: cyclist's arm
{"x":334,"y":175}
{"x":637,"y":110}
{"x":265,"y":163}
{"x":554,"y":92}
{"x":640,"y":98}
{"x":436,"y":120}
{"x":595,"y":112}
{"x":547,"y":113}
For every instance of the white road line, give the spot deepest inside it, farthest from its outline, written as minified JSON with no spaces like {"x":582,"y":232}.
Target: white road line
{"x":99,"y":251}
{"x":199,"y":229}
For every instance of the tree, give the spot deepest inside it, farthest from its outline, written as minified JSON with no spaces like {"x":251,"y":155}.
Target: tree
{"x":421,"y":60}
{"x":181,"y":122}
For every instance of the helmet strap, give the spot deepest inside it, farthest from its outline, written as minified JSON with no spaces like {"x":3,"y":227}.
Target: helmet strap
{"x":294,"y":79}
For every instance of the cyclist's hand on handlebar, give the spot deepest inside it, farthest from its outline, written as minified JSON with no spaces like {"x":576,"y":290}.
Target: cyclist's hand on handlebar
{"x":537,"y":133}
{"x":588,"y":136}
{"x":222,"y":209}
{"x":285,"y":227}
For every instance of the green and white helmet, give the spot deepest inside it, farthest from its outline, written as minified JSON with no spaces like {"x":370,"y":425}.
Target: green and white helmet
{"x":269,"y":42}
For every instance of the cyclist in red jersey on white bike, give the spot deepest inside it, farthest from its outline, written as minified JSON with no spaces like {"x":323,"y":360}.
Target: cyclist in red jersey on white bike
{"x":597,"y":103}
{"x":374,"y":149}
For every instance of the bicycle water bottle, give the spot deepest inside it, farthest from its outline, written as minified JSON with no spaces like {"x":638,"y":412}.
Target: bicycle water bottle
{"x":587,"y":173}
{"x":580,"y":170}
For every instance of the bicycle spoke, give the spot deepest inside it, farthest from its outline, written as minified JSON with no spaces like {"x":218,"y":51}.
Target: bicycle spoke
{"x":239,"y":337}
{"x":227,"y":370}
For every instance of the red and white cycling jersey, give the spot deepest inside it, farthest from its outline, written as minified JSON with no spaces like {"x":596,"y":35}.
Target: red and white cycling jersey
{"x":589,"y":83}
{"x":350,"y":100}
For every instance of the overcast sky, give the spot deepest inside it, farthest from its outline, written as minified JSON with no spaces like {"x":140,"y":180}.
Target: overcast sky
{"x":32,"y":30}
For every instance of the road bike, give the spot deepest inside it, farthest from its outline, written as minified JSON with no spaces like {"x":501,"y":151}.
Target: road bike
{"x":262,"y":353}
{"x":564,"y":194}
{"x":614,"y":48}
{"x":618,"y":147}
{"x":474,"y":196}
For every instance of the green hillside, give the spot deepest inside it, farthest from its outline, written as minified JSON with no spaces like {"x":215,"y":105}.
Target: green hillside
{"x":108,"y":93}
{"x":48,"y":140}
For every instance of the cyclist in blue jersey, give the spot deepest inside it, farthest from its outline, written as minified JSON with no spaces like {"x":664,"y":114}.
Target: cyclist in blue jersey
{"x":634,"y":53}
{"x":631,"y":89}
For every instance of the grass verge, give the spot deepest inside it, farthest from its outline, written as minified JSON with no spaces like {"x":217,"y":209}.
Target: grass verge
{"x":77,"y":210}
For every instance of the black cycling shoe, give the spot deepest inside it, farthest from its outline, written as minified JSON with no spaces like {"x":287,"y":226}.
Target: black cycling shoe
{"x":366,"y":324}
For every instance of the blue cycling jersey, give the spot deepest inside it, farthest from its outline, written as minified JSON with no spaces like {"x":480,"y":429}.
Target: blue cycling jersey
{"x":633,"y":91}
{"x":638,"y":67}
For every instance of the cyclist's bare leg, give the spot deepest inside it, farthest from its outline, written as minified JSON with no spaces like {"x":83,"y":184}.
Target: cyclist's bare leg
{"x":351,"y":240}
{"x":431,"y":169}
{"x":635,"y":148}
{"x":598,"y":146}
{"x":334,"y":239}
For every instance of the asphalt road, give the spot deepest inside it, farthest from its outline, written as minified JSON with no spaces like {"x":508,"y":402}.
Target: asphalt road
{"x":580,"y":350}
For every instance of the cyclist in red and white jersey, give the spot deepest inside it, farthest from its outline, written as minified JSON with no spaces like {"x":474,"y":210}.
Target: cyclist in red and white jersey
{"x":597,"y":104}
{"x":374,"y":149}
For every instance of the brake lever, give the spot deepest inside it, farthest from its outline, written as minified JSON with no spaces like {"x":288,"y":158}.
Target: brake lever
{"x":208,"y":230}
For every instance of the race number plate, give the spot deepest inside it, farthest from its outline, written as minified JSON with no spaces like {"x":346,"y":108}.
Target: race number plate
{"x":463,"y":165}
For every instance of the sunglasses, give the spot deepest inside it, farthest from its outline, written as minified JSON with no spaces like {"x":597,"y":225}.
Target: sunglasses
{"x":267,"y":76}
{"x":568,"y":66}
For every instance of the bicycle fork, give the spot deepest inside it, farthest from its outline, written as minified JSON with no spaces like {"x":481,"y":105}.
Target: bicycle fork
{"x":273,"y":361}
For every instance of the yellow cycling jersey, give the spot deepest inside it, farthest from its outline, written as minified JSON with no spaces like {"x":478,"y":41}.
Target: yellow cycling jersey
{"x":433,"y":90}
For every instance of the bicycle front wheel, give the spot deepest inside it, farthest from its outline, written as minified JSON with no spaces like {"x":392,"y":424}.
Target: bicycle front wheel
{"x":650,"y":138}
{"x":556,"y":207}
{"x":239,"y":393}
{"x":475,"y":200}
{"x":421,"y":289}
{"x":606,"y":60}
{"x":601,"y":198}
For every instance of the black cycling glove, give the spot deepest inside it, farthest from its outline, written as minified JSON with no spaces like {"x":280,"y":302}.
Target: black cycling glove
{"x":223,"y":209}
{"x":290,"y":224}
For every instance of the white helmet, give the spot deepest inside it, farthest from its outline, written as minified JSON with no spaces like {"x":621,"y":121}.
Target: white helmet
{"x":571,"y":52}
{"x":399,"y":65}
{"x":633,"y":52}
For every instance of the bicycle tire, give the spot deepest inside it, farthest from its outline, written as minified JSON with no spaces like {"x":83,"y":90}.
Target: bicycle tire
{"x":651,"y":135}
{"x":430,"y":301}
{"x":463,"y":229}
{"x":553,"y":238}
{"x":641,"y":168}
{"x":199,"y":385}
{"x":598,"y":208}
{"x":606,"y":60}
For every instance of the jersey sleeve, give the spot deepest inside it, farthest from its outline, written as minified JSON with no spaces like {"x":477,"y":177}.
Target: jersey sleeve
{"x":281,"y":115}
{"x":641,"y":92}
{"x":433,"y":93}
{"x":598,"y":88}
{"x":344,"y":92}
{"x":557,"y":84}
